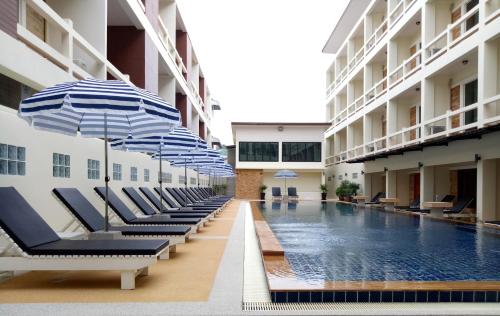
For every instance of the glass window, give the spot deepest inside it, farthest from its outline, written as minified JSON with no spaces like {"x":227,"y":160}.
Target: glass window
{"x":61,"y":165}
{"x":117,"y":172}
{"x":146,"y":175}
{"x":258,"y":151}
{"x":133,"y":173}
{"x":182,"y":179}
{"x":470,"y":97}
{"x":167,"y":177}
{"x":301,"y":152}
{"x":192,"y":181}
{"x":12,"y":160}
{"x":93,"y":169}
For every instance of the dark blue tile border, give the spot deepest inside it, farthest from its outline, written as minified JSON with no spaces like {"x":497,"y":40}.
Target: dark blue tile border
{"x":421,"y":296}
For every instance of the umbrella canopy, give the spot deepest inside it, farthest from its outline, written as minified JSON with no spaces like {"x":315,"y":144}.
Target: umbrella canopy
{"x":285,"y":174}
{"x":99,"y":108}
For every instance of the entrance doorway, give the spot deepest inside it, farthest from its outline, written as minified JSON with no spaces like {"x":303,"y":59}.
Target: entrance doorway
{"x":467,"y":184}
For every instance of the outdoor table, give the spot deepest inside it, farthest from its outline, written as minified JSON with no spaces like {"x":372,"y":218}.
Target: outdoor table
{"x":389,"y":203}
{"x":437,"y":207}
{"x":360,"y":198}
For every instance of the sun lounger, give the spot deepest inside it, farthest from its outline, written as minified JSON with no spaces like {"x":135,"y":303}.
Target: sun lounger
{"x":35,"y":246}
{"x":92,"y":221}
{"x":446,"y":198}
{"x":415,"y":204}
{"x":196,"y":200}
{"x":181,"y":201}
{"x":276,"y":193}
{"x":292,"y":193}
{"x":459,"y":207}
{"x":129,"y":218}
{"x":153,"y":197}
{"x":376,"y":198}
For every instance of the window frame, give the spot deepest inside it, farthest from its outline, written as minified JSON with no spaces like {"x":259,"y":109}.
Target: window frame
{"x":117,"y":173}
{"x":283,"y":152}
{"x":17,"y":161}
{"x":260,"y":150}
{"x":134,"y":174}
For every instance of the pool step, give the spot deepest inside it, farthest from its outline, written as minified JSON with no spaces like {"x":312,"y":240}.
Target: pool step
{"x":269,"y":244}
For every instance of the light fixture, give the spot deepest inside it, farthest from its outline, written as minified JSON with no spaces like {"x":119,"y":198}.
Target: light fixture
{"x":465,"y":62}
{"x":216,"y":105}
{"x":477,"y":157}
{"x":420,"y":164}
{"x":362,"y":172}
{"x":386,"y":169}
{"x":417,"y":89}
{"x":417,"y":23}
{"x":280,"y":128}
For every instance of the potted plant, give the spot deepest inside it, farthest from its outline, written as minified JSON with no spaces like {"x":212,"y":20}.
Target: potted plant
{"x":263,"y":189}
{"x":343,"y":190}
{"x":324,"y":191}
{"x":352,"y":188}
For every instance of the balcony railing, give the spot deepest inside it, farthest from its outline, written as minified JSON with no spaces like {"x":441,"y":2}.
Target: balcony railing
{"x":452,"y":122}
{"x":406,"y":69}
{"x":355,"y":106}
{"x":341,"y":116}
{"x":376,"y":91}
{"x":452,"y":35}
{"x":397,"y":12}
{"x":376,"y":145}
{"x":330,"y":88}
{"x":492,"y":10}
{"x":355,"y":152}
{"x":375,"y":38}
{"x":342,"y":76}
{"x":491,"y":110}
{"x":330,"y":160}
{"x":358,"y":57}
{"x":170,"y":47}
{"x":72,"y":52}
{"x":341,"y":157}
{"x":404,"y":137}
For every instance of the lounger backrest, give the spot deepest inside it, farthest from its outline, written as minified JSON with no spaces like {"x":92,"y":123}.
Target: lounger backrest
{"x":116,"y":204}
{"x":183,"y":195}
{"x":448,"y":198}
{"x":81,"y":208}
{"x":21,"y":222}
{"x":462,"y":203}
{"x":176,"y":196}
{"x":376,"y":197}
{"x":201,"y":193}
{"x":415,"y":203}
{"x":166,"y":198}
{"x":276,"y":191}
{"x":190,"y":195}
{"x":195,"y":194}
{"x":151,"y":197}
{"x":139,"y":201}
{"x":292,"y":191}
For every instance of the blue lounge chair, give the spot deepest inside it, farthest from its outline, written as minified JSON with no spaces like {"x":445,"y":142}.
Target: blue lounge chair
{"x":459,"y":207}
{"x":292,"y":193}
{"x":276,"y":193}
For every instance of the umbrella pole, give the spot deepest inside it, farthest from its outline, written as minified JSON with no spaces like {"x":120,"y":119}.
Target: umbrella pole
{"x":160,"y":179}
{"x":198,"y":175}
{"x":285,"y":188}
{"x":106,"y":176}
{"x":185,"y":182}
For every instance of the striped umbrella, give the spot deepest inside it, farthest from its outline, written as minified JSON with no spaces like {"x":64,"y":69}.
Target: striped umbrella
{"x":178,"y":141}
{"x":285,"y":174}
{"x":99,"y":108}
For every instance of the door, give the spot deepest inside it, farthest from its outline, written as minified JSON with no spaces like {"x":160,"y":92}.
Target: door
{"x":467,"y":184}
{"x":413,"y":122}
{"x":384,"y":75}
{"x":35,"y":23}
{"x":413,"y":62}
{"x":455,"y":15}
{"x":414,"y":186}
{"x":470,"y":97}
{"x":455,"y":105}
{"x":384,"y":130}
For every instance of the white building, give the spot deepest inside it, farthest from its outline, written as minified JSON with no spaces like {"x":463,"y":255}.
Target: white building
{"x":413,"y":100}
{"x":53,"y":41}
{"x":264,"y":148}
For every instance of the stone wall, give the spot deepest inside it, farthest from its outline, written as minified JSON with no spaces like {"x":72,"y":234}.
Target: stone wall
{"x":248,"y":182}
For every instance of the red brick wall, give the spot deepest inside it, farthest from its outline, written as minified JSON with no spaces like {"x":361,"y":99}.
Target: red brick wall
{"x":248,"y":182}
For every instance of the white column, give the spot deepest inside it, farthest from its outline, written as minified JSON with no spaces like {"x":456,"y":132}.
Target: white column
{"x":486,"y":190}
{"x":426,"y":184}
{"x":391,"y":183}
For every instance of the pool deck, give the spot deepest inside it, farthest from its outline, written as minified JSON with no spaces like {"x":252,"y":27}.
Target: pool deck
{"x":185,"y":293}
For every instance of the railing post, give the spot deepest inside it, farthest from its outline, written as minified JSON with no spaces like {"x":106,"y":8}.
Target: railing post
{"x":448,"y":121}
{"x":68,"y":45}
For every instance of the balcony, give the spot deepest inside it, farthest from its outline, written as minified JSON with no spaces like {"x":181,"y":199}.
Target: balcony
{"x":398,"y":11}
{"x":405,"y":70}
{"x":356,"y":60}
{"x":376,"y":146}
{"x":452,"y":35}
{"x":170,"y":47}
{"x":375,"y":92}
{"x":375,"y":38}
{"x":66,"y":48}
{"x":492,"y":10}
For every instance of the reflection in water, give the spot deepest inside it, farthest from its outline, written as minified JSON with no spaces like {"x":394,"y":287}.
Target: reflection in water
{"x":292,"y":205}
{"x":329,"y":241}
{"x":276,"y":205}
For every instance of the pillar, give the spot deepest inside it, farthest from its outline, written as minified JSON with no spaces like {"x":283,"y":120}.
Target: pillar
{"x":391,"y":183}
{"x":426,"y":185}
{"x":486,"y":190}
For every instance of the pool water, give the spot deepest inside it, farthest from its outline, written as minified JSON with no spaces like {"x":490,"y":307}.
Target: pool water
{"x":330,"y":241}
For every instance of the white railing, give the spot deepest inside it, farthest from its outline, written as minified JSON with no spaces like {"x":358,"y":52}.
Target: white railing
{"x":196,"y":93}
{"x":330,"y":88}
{"x":451,"y":36}
{"x":330,"y":160}
{"x":342,"y":76}
{"x":358,"y":57}
{"x":355,"y":106}
{"x":376,"y":91}
{"x":72,"y":52}
{"x":491,"y":110}
{"x":376,"y":145}
{"x":170,"y":47}
{"x":492,"y":10}
{"x":342,"y":156}
{"x":376,"y":36}
{"x":341,"y":116}
{"x":450,"y":122}
{"x":406,"y":69}
{"x":355,"y":152}
{"x":405,"y":136}
{"x":399,"y":9}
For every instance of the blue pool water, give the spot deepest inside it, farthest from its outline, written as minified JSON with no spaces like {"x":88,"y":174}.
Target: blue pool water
{"x":339,"y":242}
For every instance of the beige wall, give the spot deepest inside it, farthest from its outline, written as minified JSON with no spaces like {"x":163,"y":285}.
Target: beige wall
{"x":307,"y":184}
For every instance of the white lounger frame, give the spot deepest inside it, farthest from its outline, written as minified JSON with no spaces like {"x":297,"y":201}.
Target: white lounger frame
{"x":129,"y":266}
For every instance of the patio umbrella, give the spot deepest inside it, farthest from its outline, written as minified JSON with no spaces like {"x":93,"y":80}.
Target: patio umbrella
{"x":99,"y":108}
{"x":285,"y":174}
{"x":164,"y":143}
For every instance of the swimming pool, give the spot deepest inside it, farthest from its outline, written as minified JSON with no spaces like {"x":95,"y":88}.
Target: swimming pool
{"x":339,"y":242}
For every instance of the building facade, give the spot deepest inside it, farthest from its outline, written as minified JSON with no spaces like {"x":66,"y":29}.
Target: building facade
{"x":413,"y":100}
{"x":48,"y":42}
{"x":262,"y":149}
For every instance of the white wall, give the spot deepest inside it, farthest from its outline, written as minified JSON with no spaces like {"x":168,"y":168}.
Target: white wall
{"x":307,"y":184}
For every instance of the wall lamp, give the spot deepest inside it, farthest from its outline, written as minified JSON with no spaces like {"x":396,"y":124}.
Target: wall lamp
{"x":420,"y":164}
{"x":362,"y":172}
{"x":386,"y":169}
{"x":477,"y":157}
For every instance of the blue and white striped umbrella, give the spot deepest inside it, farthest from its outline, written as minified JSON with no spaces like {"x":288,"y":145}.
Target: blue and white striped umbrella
{"x":285,"y":174}
{"x":91,"y":106}
{"x":99,"y":108}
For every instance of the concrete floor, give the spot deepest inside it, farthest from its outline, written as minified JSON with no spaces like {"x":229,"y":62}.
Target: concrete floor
{"x":226,"y":296}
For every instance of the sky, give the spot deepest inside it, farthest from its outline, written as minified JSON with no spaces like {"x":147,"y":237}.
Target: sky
{"x":262,"y":59}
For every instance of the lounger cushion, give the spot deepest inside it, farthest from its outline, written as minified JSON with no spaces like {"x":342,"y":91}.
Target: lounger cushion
{"x":170,"y":221}
{"x":152,"y":230}
{"x":65,"y":247}
{"x":21,"y":222}
{"x":139,"y":201}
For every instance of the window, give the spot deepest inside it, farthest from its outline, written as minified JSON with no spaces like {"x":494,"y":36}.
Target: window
{"x":302,"y":152}
{"x":192,"y":181}
{"x":117,"y":172}
{"x":146,"y":175}
{"x":167,"y":177}
{"x":133,"y":173}
{"x":354,"y":175}
{"x":12,"y":160}
{"x":470,"y":97}
{"x":182,"y":179}
{"x":93,"y":169}
{"x":60,"y":166}
{"x":474,"y":19}
{"x":255,"y":151}
{"x":340,"y":177}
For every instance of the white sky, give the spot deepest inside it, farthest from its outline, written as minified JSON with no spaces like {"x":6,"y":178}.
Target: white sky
{"x":262,"y":58}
